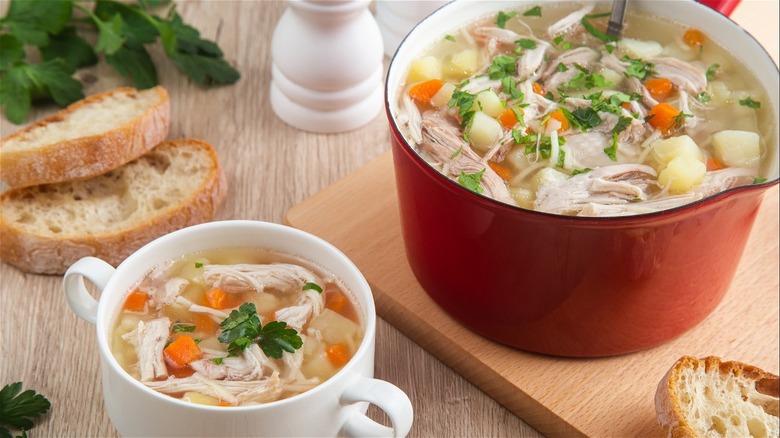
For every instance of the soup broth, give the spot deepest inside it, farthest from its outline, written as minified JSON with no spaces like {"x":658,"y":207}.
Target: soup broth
{"x":540,"y":109}
{"x":236,"y":326}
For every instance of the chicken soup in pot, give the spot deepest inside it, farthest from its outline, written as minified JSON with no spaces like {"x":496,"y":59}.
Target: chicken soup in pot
{"x":236,"y":326}
{"x":541,"y":109}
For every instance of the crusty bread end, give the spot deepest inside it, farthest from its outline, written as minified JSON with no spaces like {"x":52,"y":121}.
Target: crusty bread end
{"x":47,"y":228}
{"x":88,"y":138}
{"x":707,"y":397}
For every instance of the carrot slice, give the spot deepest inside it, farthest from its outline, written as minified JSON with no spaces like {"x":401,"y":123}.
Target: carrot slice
{"x":694,"y":37}
{"x":509,"y":118}
{"x":136,"y":301}
{"x":338,"y":354}
{"x":204,"y":323}
{"x":219,"y":299}
{"x":659,"y":88}
{"x":501,"y":170}
{"x":713,"y":164}
{"x":559,"y":116}
{"x":664,"y":117}
{"x":424,"y":91}
{"x":336,"y":302}
{"x":538,"y":88}
{"x":181,"y":352}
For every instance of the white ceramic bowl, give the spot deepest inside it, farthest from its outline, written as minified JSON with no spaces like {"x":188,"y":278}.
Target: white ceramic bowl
{"x":335,"y":407}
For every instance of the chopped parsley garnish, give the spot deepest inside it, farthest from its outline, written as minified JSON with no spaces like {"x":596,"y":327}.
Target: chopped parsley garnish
{"x":576,"y":172}
{"x":312,"y":286}
{"x":750,"y":103}
{"x":704,"y":97}
{"x":198,"y":264}
{"x":678,"y":121}
{"x":510,"y":88}
{"x":243,"y":327}
{"x":464,"y":101}
{"x":596,"y":32}
{"x":472,"y":181}
{"x":182,"y":327}
{"x":217,"y":360}
{"x":525,"y":43}
{"x":562,"y":67}
{"x":536,"y":11}
{"x":450,"y":38}
{"x":758,"y":180}
{"x":503,"y":17}
{"x":621,"y":124}
{"x":531,"y":141}
{"x":456,"y":153}
{"x":560,"y":43}
{"x":518,"y":115}
{"x":502,"y":66}
{"x":610,"y":47}
{"x":612,"y":150}
{"x":583,"y":118}
{"x":637,"y":68}
{"x":712,"y":71}
{"x":18,"y":409}
{"x":586,"y":80}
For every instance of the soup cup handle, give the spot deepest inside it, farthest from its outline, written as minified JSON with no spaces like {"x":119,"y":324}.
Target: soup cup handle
{"x":95,"y":270}
{"x":388,"y":397}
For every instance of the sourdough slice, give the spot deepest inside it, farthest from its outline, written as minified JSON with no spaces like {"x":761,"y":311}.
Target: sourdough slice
{"x":710,"y":398}
{"x":47,"y":228}
{"x":88,"y":138}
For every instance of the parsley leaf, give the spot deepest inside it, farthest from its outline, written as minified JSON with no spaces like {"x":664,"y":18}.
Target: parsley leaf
{"x":450,"y":38}
{"x":637,"y":68}
{"x":312,"y":286}
{"x":503,"y":17}
{"x":612,"y":150}
{"x":243,"y":327}
{"x":595,"y":32}
{"x":621,"y":124}
{"x":19,"y":409}
{"x":750,"y":103}
{"x":31,"y":22}
{"x":182,"y":327}
{"x":758,"y":180}
{"x":712,"y":71}
{"x":576,"y":172}
{"x":536,"y":11}
{"x":704,"y":97}
{"x":510,"y":88}
{"x":22,"y":82}
{"x":472,"y":181}
{"x":502,"y":66}
{"x":526,"y":43}
{"x":583,"y":118}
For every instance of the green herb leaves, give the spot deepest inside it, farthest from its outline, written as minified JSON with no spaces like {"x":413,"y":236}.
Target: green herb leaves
{"x":750,"y":103}
{"x":637,"y":68}
{"x":243,"y":327}
{"x":18,"y":409}
{"x":503,"y":17}
{"x":123,"y":31}
{"x":596,"y":32}
{"x":472,"y":181}
{"x":502,"y":66}
{"x":312,"y":286}
{"x":536,"y":11}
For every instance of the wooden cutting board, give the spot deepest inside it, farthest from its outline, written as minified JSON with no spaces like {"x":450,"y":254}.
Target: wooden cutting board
{"x":605,"y":397}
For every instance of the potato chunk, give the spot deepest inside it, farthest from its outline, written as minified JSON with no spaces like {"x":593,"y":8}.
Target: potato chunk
{"x":485,"y":131}
{"x":488,"y":102}
{"x":443,"y":96}
{"x":666,"y":150}
{"x":639,"y":48}
{"x":461,"y":64}
{"x":682,"y":174}
{"x":737,"y":148}
{"x":427,"y":67}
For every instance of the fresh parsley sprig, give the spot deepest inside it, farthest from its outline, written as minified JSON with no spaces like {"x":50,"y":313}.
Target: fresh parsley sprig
{"x":243,"y":327}
{"x":123,"y":32}
{"x":18,"y":409}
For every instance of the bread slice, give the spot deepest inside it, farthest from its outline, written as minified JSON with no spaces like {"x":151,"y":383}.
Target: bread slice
{"x":88,"y":138}
{"x":710,"y":398}
{"x":47,"y":228}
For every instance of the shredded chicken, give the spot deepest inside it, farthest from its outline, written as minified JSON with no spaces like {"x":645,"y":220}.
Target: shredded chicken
{"x":308,"y":306}
{"x":566,"y":23}
{"x":149,"y":339}
{"x":231,"y":391}
{"x":248,"y":277}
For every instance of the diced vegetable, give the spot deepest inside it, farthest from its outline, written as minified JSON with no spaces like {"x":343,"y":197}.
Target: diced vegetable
{"x":664,"y":117}
{"x":136,"y":301}
{"x":181,"y":352}
{"x":424,"y":91}
{"x":336,"y":302}
{"x":523,"y":197}
{"x":440,"y":99}
{"x":682,"y":174}
{"x":611,"y":76}
{"x":425,"y":68}
{"x":639,"y":48}
{"x":538,"y":89}
{"x":659,"y":88}
{"x":316,"y":362}
{"x":485,"y":131}
{"x":547,"y":175}
{"x":488,"y":102}
{"x":200,"y":399}
{"x":335,"y":328}
{"x":666,"y":150}
{"x":219,"y":299}
{"x":338,"y":354}
{"x":501,"y":170}
{"x":559,"y":116}
{"x":737,"y":148}
{"x":713,"y":164}
{"x":694,"y":38}
{"x":461,"y":64}
{"x":204,"y":323}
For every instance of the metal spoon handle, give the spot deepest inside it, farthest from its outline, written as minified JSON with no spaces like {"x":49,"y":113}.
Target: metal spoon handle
{"x":615,"y":26}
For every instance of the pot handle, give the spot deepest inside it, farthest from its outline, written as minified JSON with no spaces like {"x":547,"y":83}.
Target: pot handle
{"x":388,"y":397}
{"x":95,"y":270}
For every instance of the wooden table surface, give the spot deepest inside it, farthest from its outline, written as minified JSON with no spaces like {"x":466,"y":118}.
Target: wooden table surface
{"x":270,"y":168}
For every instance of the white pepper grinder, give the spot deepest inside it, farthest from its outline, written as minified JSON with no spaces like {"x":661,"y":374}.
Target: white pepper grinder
{"x":327,"y":71}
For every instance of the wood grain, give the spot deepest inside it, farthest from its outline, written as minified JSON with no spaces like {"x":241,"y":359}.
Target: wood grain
{"x":270,"y":168}
{"x":610,"y":397}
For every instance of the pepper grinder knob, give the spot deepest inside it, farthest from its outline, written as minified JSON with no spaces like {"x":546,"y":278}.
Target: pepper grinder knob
{"x":397,"y":18}
{"x":327,"y":70}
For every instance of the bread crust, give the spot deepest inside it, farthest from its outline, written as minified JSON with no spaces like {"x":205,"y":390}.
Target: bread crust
{"x":88,"y":156}
{"x":670,"y":407}
{"x":47,"y":255}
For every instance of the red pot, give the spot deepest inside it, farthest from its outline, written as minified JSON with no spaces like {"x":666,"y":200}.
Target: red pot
{"x":571,"y":286}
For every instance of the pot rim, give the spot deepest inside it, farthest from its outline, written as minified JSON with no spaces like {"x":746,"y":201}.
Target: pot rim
{"x":495,"y":204}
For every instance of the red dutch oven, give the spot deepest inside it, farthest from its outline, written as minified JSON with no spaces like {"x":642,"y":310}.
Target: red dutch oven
{"x":573,"y":286}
